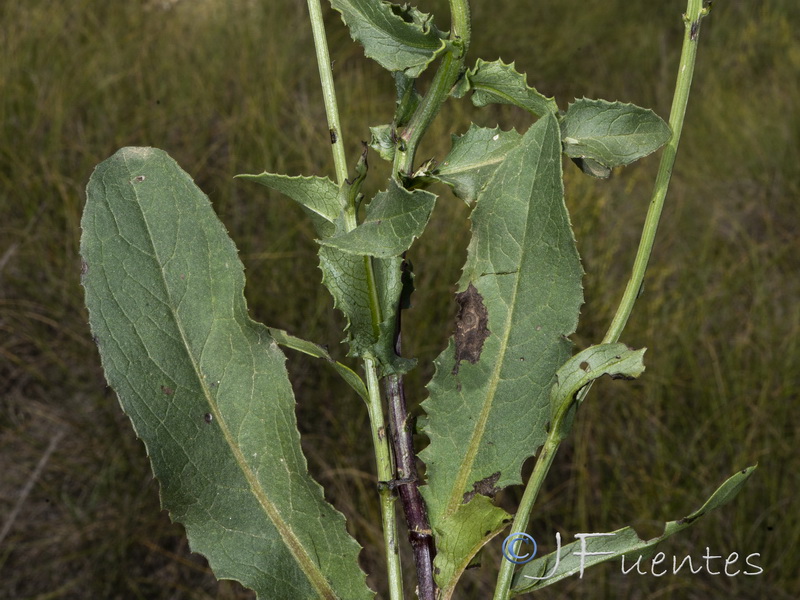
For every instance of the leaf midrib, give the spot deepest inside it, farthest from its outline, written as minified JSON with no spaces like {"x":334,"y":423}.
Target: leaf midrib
{"x":461,"y":480}
{"x":318,"y":581}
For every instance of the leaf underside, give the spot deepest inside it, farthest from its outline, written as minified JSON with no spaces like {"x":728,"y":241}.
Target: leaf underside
{"x":205,"y":387}
{"x":610,"y":134}
{"x":520,"y":295}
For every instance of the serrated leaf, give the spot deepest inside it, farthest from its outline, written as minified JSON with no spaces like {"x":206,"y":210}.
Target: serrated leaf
{"x":499,"y":83}
{"x":520,"y":296}
{"x":205,"y":387}
{"x":319,"y":196}
{"x":616,"y":360}
{"x":574,"y":558}
{"x":399,"y":38}
{"x":611,"y":133}
{"x":393,"y":220}
{"x":345,"y":276}
{"x":473,"y":158}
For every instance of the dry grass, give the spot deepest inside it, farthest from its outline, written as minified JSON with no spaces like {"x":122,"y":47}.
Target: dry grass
{"x":229,"y":87}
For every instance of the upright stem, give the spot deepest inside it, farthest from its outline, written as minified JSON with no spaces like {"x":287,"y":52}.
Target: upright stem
{"x":407,"y":484}
{"x":328,"y":90}
{"x":420,"y":534}
{"x":380,"y":440}
{"x":694,"y":14}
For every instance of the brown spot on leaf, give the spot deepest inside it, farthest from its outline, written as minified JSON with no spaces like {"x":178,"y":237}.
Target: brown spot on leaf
{"x":168,"y":391}
{"x":138,"y":179}
{"x":471,"y":326}
{"x":84,"y":268}
{"x":484,"y":487}
{"x":208,"y":417}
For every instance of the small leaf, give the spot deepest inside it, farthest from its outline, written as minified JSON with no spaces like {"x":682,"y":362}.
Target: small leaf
{"x":317,"y":351}
{"x":319,"y":196}
{"x":574,"y":558}
{"x":615,"y":360}
{"x":473,"y":159}
{"x":399,"y":38}
{"x":205,"y":387}
{"x":611,"y":133}
{"x":520,"y":295}
{"x":499,"y":83}
{"x":470,"y":529}
{"x":394,"y":219}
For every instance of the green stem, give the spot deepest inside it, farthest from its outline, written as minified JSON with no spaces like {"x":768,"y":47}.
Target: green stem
{"x":380,"y":440}
{"x":385,"y":477}
{"x":694,"y":13}
{"x":443,"y":81}
{"x":460,"y":24}
{"x":520,"y":524}
{"x":328,"y":91}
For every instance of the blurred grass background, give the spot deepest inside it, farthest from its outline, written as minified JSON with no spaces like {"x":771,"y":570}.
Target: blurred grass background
{"x":231,"y":87}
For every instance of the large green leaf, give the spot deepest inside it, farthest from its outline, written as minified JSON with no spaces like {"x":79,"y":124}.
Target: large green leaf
{"x":611,"y":133}
{"x":473,"y":158}
{"x":520,"y":295}
{"x":574,"y":558}
{"x":500,"y":83}
{"x":394,"y":219}
{"x":204,"y":386}
{"x":399,"y":38}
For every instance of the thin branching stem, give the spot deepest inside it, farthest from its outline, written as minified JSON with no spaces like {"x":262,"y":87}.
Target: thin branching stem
{"x":694,"y":14}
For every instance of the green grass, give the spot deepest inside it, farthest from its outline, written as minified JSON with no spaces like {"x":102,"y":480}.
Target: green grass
{"x":230,"y":87}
